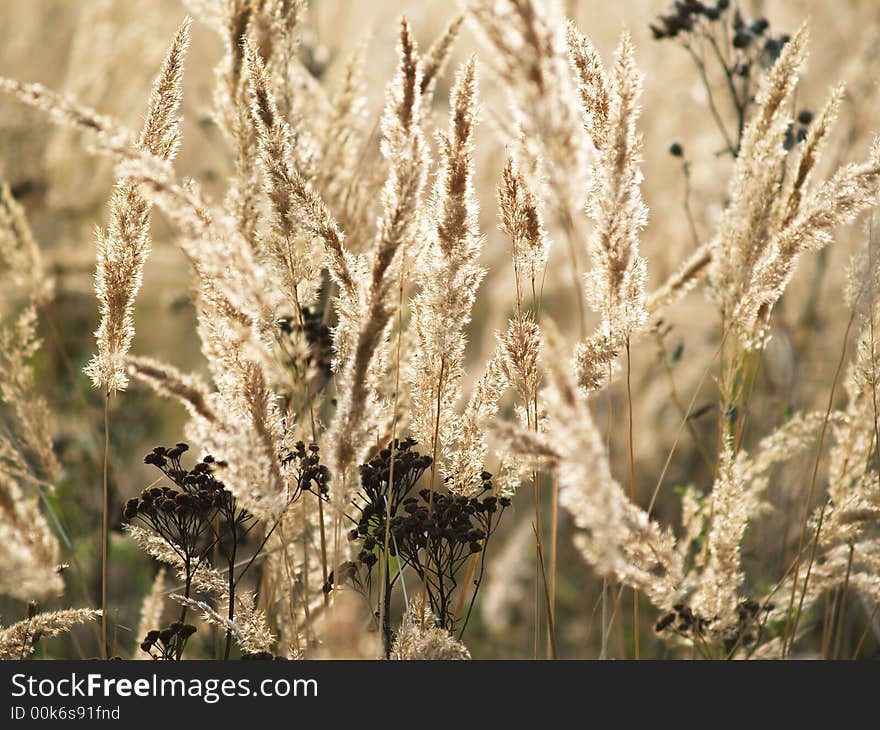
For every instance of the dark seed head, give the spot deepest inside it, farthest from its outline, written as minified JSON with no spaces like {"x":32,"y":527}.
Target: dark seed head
{"x":805,"y":116}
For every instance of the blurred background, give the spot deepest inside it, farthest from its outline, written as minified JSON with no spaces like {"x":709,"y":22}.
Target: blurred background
{"x":106,"y":52}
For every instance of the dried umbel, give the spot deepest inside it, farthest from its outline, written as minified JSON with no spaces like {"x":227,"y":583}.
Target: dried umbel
{"x":437,"y":534}
{"x":29,"y":549}
{"x":749,"y":49}
{"x":309,"y":474}
{"x":152,"y":609}
{"x":746,"y":632}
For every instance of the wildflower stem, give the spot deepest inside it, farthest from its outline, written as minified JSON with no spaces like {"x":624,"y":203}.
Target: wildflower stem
{"x":788,"y":637}
{"x":435,"y":446}
{"x":842,"y":612}
{"x":386,"y":565}
{"x":568,"y":228}
{"x":689,"y":214}
{"x":554,"y":535}
{"x":866,"y":631}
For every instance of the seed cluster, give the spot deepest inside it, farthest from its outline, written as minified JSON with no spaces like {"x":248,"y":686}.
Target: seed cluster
{"x":196,"y":515}
{"x":310,"y":474}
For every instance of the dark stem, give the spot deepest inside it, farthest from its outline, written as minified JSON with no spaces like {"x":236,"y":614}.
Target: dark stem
{"x":105,"y":529}
{"x":386,"y":609}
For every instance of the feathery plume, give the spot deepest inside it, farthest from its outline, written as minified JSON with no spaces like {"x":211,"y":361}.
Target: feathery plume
{"x":797,"y":184}
{"x":527,"y":44}
{"x":30,"y":427}
{"x":593,"y":85}
{"x":613,"y":535}
{"x":694,"y":268}
{"x":717,"y":595}
{"x":852,"y":477}
{"x":851,"y":190}
{"x":252,"y":630}
{"x":161,"y":131}
{"x":467,"y":461}
{"x":20,"y":640}
{"x":437,"y":56}
{"x":523,"y":221}
{"x":743,"y":229}
{"x":168,"y":381}
{"x":63,"y":110}
{"x":419,"y":638}
{"x":294,"y":264}
{"x":296,"y":204}
{"x":340,"y":141}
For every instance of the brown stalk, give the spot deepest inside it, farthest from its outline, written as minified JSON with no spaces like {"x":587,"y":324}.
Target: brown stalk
{"x":105,"y":529}
{"x":866,"y":631}
{"x":842,"y":613}
{"x":788,"y":637}
{"x":632,"y":481}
